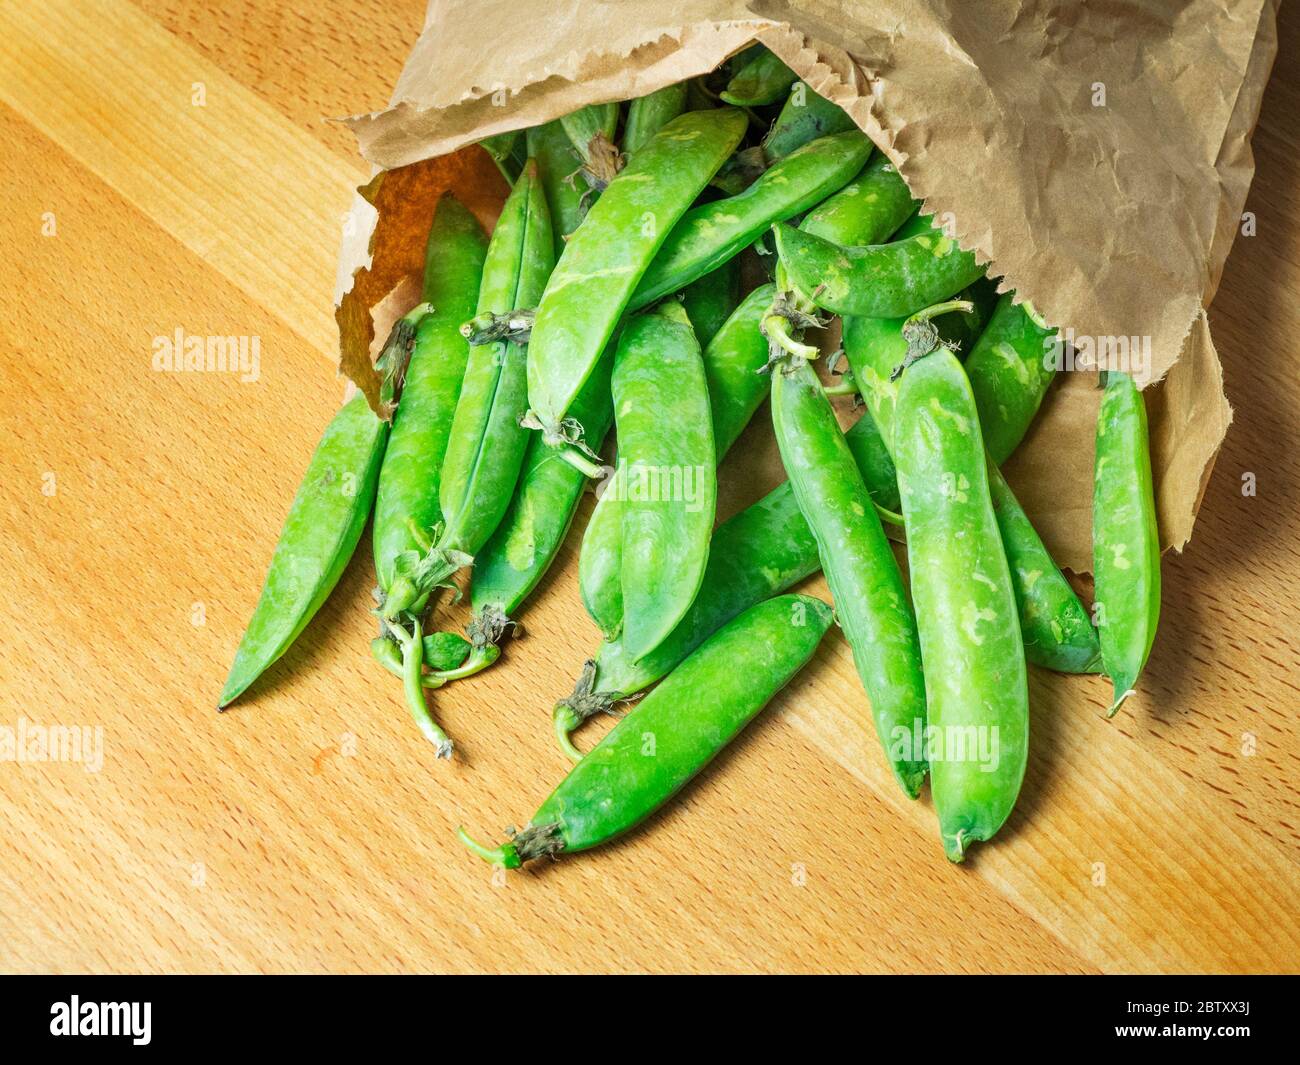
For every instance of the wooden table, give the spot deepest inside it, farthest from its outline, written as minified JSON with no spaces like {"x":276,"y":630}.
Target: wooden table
{"x":166,"y":167}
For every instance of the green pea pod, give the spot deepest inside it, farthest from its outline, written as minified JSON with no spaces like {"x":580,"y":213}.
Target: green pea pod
{"x":557,"y":161}
{"x":712,"y":233}
{"x":878,"y":280}
{"x":731,"y":364}
{"x":647,"y":115}
{"x":606,"y":256}
{"x":864,"y":211}
{"x":319,"y":536}
{"x":763,"y":80}
{"x":976,"y":687}
{"x":916,"y":223}
{"x":508,"y":152}
{"x":1055,"y":626}
{"x":661,"y":408}
{"x":409,"y":478}
{"x":866,"y":585}
{"x":805,"y":117}
{"x":525,"y":543}
{"x":487,"y":443}
{"x":674,"y":732}
{"x":765,"y":549}
{"x":710,"y":300}
{"x":1125,"y":536}
{"x":586,"y":124}
{"x":1009,"y":369}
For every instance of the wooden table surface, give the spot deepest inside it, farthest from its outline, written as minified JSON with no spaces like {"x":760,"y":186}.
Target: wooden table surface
{"x":166,"y":166}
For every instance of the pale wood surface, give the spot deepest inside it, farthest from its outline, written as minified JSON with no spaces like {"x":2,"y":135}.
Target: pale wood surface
{"x":310,"y":828}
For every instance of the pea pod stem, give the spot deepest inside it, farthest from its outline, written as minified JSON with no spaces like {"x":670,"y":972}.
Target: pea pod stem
{"x":413,"y":684}
{"x":776,"y":327}
{"x":504,"y":856}
{"x":585,"y":702}
{"x":922,"y":336}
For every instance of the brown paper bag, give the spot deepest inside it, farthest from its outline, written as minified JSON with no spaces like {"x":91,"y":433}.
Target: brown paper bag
{"x":1098,"y":157}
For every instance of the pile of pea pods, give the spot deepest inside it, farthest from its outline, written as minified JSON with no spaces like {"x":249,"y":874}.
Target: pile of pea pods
{"x":657,"y":269}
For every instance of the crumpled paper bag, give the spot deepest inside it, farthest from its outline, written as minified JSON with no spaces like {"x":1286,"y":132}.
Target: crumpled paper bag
{"x":1097,"y":156}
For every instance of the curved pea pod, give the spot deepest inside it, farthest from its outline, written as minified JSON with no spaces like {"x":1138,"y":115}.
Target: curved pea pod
{"x":525,"y":543}
{"x":974,"y":658}
{"x":674,"y":732}
{"x":1125,"y":536}
{"x":864,"y":211}
{"x":765,"y":549}
{"x":712,"y":233}
{"x":319,"y":536}
{"x":409,"y":477}
{"x":710,"y":300}
{"x":647,"y":115}
{"x":486,"y":447}
{"x":763,"y":80}
{"x":1010,"y":370}
{"x":508,"y":152}
{"x":667,"y":458}
{"x":731,"y":364}
{"x":557,"y":161}
{"x":866,"y":585}
{"x":876,"y":280}
{"x":804,"y":117}
{"x":1054,"y":625}
{"x":606,"y":256}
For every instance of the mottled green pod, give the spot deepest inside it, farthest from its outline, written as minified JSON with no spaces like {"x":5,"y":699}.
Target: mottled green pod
{"x":668,"y":465}
{"x":1010,"y":368}
{"x":712,"y":233}
{"x":866,"y":584}
{"x":1055,"y":626}
{"x":731,"y":364}
{"x":805,"y":117}
{"x":486,"y":448}
{"x":762,"y":80}
{"x":647,"y":115}
{"x":319,"y":536}
{"x":674,"y":732}
{"x":877,"y":280}
{"x":606,"y":256}
{"x":1125,"y":536}
{"x":976,"y":687}
{"x":864,"y":211}
{"x":411,"y":473}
